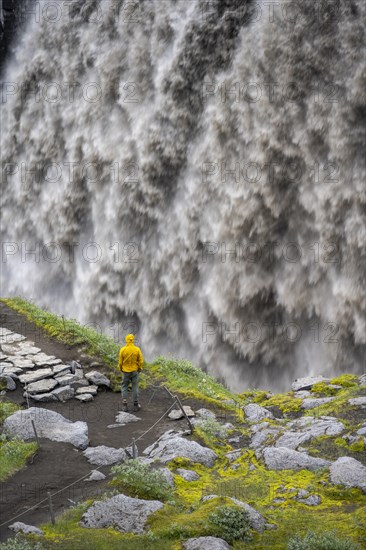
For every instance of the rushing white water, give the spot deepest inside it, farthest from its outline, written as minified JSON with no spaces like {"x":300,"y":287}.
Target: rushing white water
{"x":170,"y":133}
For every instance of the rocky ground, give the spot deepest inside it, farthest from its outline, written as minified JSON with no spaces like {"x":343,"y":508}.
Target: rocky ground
{"x":317,"y":431}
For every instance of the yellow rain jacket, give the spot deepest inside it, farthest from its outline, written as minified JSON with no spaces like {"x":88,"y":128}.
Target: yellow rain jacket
{"x":130,"y":356}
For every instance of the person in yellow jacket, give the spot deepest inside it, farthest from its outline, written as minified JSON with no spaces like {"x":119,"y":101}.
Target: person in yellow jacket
{"x":130,"y":363}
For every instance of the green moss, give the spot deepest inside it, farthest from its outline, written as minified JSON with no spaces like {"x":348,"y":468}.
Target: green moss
{"x":286,"y":402}
{"x":345,"y":380}
{"x":324,"y":389}
{"x":358,"y":446}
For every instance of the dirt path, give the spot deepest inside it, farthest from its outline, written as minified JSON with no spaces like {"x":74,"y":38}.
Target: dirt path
{"x":56,"y":465}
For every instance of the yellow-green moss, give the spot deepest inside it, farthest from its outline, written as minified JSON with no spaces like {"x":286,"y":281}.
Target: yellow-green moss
{"x":324,"y":389}
{"x":345,"y":380}
{"x":286,"y":402}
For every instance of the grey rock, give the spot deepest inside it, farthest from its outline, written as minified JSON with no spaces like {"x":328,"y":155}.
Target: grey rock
{"x":205,"y":543}
{"x":43,"y":359}
{"x":234,"y":455}
{"x":23,"y":363}
{"x":171,"y":445}
{"x":95,"y":475}
{"x":177,"y":414}
{"x":42,"y":386}
{"x":42,"y":397}
{"x":79,"y":383}
{"x":18,"y":526}
{"x":205,"y":413}
{"x":104,"y":456}
{"x":313,"y":402}
{"x":10,"y":370}
{"x":79,"y":373}
{"x":84,"y":397}
{"x":256,"y":520}
{"x":282,"y":458}
{"x":66,"y":379}
{"x":8,"y":380}
{"x":302,"y":493}
{"x":27,"y":349}
{"x":36,"y":375}
{"x":307,"y":428}
{"x":74,"y":366}
{"x":361,"y":431}
{"x":10,"y":349}
{"x":188,"y":475}
{"x":259,"y":439}
{"x":308,"y":382}
{"x":228,"y":426}
{"x":349,"y":472}
{"x":302,"y":393}
{"x":97,"y":378}
{"x":312,"y":500}
{"x":11,"y":338}
{"x":59,"y":370}
{"x":358,"y":401}
{"x":87,"y":389}
{"x":335,"y":387}
{"x":64,"y":393}
{"x":49,"y":424}
{"x":254,"y":412}
{"x":362,"y":380}
{"x":124,"y":418}
{"x":123,"y":513}
{"x":168,"y":475}
{"x":235,"y":439}
{"x":292,"y":440}
{"x":3,"y":357}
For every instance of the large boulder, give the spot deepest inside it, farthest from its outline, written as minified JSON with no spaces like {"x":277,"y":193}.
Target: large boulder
{"x":282,"y":458}
{"x":171,"y":445}
{"x":123,"y":513}
{"x":255,"y":413}
{"x":103,"y":455}
{"x":349,"y":472}
{"x":49,"y":424}
{"x":256,"y":520}
{"x":205,"y":543}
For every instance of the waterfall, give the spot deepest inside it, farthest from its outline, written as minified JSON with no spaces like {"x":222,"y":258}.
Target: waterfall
{"x":194,"y":170}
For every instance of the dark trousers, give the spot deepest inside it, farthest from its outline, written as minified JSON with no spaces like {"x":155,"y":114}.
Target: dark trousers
{"x":134,"y":378}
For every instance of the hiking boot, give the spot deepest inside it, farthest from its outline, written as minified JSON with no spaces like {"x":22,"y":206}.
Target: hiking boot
{"x":136,"y":407}
{"x":125,"y":407}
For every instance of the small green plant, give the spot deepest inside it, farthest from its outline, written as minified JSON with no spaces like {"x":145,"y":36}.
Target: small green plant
{"x":20,"y":543}
{"x":139,"y":480}
{"x":6,"y":409}
{"x":14,"y":453}
{"x":320,"y":541}
{"x":231,"y":523}
{"x":212,"y":428}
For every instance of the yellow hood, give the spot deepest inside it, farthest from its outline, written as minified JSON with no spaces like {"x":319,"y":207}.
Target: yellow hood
{"x":130,"y":339}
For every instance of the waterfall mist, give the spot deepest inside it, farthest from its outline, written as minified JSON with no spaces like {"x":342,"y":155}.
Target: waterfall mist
{"x":214,"y":153}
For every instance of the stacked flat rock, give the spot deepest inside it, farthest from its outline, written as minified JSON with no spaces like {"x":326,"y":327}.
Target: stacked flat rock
{"x":45,"y":377}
